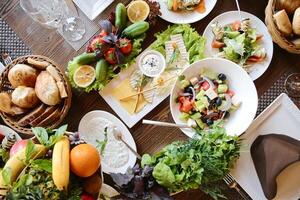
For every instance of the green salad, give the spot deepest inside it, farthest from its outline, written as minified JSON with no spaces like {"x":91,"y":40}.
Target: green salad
{"x":238,"y":42}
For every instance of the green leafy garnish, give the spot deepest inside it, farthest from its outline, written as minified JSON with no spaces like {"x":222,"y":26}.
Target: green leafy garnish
{"x":47,"y":137}
{"x":42,"y":164}
{"x":102,"y":144}
{"x":29,"y":151}
{"x":4,"y":154}
{"x":197,"y":163}
{"x":194,"y":43}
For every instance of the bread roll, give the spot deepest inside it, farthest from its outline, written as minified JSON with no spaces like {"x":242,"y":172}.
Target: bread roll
{"x":296,"y":22}
{"x":22,"y":75}
{"x":24,"y":97}
{"x":7,"y":107}
{"x":288,"y":5}
{"x":46,"y":89}
{"x":283,"y":22}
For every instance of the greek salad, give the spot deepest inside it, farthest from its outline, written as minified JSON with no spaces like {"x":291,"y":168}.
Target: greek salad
{"x":238,"y":42}
{"x":206,"y":99}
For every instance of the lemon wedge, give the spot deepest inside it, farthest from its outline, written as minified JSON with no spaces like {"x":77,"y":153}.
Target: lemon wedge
{"x":84,"y":76}
{"x":138,"y":11}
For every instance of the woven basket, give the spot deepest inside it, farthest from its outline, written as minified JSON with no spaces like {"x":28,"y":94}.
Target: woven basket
{"x":277,"y":36}
{"x":5,"y":86}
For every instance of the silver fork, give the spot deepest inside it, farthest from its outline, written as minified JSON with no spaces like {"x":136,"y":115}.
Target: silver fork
{"x":6,"y":58}
{"x":231,"y":182}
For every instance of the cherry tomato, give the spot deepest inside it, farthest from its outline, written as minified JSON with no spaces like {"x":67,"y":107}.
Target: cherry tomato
{"x":110,"y":56}
{"x":125,"y":46}
{"x":217,"y":44}
{"x":103,"y":33}
{"x":1,"y":136}
{"x":85,"y":196}
{"x":235,"y":26}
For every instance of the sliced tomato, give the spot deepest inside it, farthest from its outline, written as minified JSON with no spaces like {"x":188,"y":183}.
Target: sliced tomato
{"x":181,"y":99}
{"x":231,"y":93}
{"x":255,"y":59}
{"x":205,"y":85}
{"x":259,"y":36}
{"x":235,"y":26}
{"x":217,"y":44}
{"x":103,"y":33}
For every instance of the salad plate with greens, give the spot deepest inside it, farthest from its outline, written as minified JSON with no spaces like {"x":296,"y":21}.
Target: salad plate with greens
{"x":246,"y":42}
{"x":214,"y":92}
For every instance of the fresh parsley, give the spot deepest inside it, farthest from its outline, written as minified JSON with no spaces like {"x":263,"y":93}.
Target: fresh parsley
{"x":102,"y":144}
{"x":29,"y":151}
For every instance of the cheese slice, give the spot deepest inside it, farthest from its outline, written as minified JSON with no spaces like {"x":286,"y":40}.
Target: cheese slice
{"x":124,"y":90}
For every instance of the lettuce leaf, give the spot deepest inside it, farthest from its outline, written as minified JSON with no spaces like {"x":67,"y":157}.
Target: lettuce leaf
{"x":195,"y":44}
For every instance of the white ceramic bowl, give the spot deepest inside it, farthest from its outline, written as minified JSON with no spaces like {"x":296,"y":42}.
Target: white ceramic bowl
{"x":257,"y":69}
{"x":238,"y":81}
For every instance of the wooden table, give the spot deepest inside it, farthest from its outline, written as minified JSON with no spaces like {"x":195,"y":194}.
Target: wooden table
{"x":149,"y":139}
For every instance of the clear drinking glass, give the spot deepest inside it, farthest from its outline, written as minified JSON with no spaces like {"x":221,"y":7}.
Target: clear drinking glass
{"x":54,"y":14}
{"x":292,"y":85}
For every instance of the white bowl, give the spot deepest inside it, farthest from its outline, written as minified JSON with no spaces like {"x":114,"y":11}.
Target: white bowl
{"x":238,"y":81}
{"x":257,"y":69}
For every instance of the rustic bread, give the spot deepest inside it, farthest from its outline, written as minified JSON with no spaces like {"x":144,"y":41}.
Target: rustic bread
{"x":38,"y":64}
{"x":42,"y":116}
{"x":24,"y":97}
{"x":46,"y":89}
{"x":22,"y":75}
{"x":39,"y":110}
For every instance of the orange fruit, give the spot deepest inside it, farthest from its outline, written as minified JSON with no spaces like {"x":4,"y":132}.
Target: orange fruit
{"x":84,"y":160}
{"x":92,"y":184}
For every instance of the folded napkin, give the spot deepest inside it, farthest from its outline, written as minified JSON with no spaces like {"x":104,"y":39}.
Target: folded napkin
{"x":271,"y":154}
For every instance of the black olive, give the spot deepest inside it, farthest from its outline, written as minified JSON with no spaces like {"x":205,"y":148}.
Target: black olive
{"x":222,"y":77}
{"x":226,"y":114}
{"x":188,"y":90}
{"x":218,"y":101}
{"x":209,"y":122}
{"x":241,"y":31}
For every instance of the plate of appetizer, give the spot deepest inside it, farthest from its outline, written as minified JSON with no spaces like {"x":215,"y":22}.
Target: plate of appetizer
{"x":34,"y":91}
{"x":214,"y":92}
{"x":185,"y":11}
{"x":247,"y":42}
{"x":148,"y":81}
{"x":98,"y":128}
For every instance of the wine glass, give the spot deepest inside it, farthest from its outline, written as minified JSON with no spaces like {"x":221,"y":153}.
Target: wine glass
{"x":292,"y":85}
{"x":54,"y":14}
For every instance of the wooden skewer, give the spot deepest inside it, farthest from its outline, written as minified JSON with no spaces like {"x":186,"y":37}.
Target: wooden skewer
{"x":141,"y":92}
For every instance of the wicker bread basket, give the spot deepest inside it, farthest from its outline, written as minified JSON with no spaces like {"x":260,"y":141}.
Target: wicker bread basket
{"x":61,"y":109}
{"x":277,"y":36}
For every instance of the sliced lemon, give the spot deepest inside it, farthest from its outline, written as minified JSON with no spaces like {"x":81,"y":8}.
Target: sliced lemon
{"x":84,"y":76}
{"x":138,"y":11}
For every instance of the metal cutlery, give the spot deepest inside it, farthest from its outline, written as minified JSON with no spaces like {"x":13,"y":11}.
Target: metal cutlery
{"x":231,"y":182}
{"x":166,"y":124}
{"x":6,"y":58}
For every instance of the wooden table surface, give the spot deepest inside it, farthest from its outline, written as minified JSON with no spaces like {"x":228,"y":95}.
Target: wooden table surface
{"x":149,"y":139}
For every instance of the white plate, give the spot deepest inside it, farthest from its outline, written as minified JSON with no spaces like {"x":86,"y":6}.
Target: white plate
{"x":226,"y":18}
{"x":280,"y":117}
{"x":185,"y":17}
{"x":239,"y":82}
{"x":83,"y":129}
{"x":128,"y":119}
{"x":6,"y":130}
{"x":92,"y":8}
